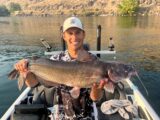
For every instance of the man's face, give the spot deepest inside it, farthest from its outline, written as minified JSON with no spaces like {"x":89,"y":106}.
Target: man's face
{"x":74,"y":38}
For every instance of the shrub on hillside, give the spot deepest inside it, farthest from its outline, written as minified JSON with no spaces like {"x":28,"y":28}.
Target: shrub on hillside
{"x":4,"y":11}
{"x":14,"y":7}
{"x":128,"y":7}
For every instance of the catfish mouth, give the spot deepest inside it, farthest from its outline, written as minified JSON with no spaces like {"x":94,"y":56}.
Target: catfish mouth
{"x":117,"y":77}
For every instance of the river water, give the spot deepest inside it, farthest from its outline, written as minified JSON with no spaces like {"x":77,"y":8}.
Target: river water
{"x":137,"y":41}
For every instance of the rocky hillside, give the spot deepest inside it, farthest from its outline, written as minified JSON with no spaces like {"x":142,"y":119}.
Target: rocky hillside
{"x":81,"y":7}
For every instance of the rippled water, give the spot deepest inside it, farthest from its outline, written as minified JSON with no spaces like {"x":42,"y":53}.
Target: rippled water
{"x":137,"y":41}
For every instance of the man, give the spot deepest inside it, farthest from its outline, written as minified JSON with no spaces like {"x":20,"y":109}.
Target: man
{"x":74,"y":106}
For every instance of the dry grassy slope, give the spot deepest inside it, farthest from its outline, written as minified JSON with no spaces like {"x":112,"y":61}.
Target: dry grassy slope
{"x":47,"y":7}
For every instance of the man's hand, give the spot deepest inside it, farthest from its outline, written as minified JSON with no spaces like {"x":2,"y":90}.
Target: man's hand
{"x":97,"y":90}
{"x":21,"y":66}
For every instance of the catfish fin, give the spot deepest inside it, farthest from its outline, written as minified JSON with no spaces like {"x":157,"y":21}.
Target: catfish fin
{"x":84,"y":56}
{"x":109,"y":87}
{"x":13,"y":74}
{"x":21,"y":81}
{"x":75,"y":92}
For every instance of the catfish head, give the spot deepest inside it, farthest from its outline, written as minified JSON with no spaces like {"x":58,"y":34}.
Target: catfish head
{"x":119,"y":71}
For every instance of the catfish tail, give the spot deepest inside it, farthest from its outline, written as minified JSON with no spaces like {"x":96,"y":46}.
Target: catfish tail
{"x":14,"y":74}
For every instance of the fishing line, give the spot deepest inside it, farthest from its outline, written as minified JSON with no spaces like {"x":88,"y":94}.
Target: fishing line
{"x":142,"y":84}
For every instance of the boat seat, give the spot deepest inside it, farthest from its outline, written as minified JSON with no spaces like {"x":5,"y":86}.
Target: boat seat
{"x":30,"y":112}
{"x":43,"y":95}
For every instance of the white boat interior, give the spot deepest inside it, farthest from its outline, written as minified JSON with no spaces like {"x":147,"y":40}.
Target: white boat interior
{"x":23,"y":108}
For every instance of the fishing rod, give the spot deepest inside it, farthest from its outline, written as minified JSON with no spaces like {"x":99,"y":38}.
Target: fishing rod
{"x":98,"y":39}
{"x":46,"y":44}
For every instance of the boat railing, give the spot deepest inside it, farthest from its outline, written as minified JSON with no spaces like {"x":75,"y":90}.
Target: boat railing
{"x":98,"y":52}
{"x":149,"y":111}
{"x":11,"y":109}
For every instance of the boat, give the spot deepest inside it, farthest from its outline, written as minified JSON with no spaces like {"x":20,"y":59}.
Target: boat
{"x":23,"y":109}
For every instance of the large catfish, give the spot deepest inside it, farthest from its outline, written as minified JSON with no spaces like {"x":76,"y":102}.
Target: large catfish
{"x":80,"y":74}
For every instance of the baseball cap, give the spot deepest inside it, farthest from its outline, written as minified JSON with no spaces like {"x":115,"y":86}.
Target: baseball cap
{"x":72,"y":22}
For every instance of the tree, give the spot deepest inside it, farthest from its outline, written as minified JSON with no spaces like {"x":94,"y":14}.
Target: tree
{"x":4,"y":11}
{"x":14,"y":7}
{"x":128,"y":7}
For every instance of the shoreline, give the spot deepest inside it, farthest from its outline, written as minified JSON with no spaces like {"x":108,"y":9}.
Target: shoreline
{"x":52,"y":15}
